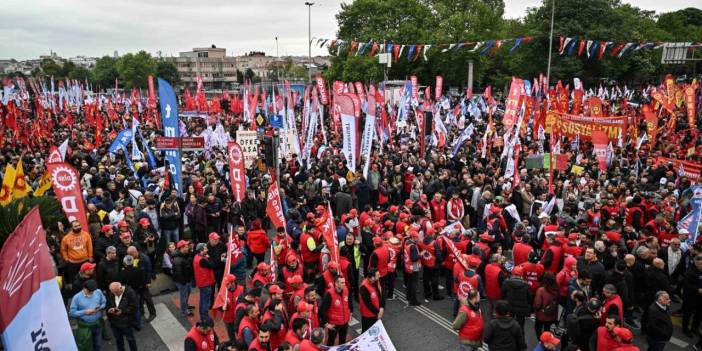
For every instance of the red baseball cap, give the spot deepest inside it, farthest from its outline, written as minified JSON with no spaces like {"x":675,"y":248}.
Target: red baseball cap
{"x":144,"y":221}
{"x":275,"y":289}
{"x":125,"y":235}
{"x":303,"y":306}
{"x":127,"y":210}
{"x":377,"y":240}
{"x":123,"y":224}
{"x":392,"y":209}
{"x":573,"y":236}
{"x":368,"y":223}
{"x":409,"y":202}
{"x":214,"y":236}
{"x":263,"y":266}
{"x":414,"y":234}
{"x":87,"y":266}
{"x":548,"y":338}
{"x":181,"y":244}
{"x":106,"y":228}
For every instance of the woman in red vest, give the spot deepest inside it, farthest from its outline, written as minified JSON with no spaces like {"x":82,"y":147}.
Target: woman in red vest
{"x":469,"y":322}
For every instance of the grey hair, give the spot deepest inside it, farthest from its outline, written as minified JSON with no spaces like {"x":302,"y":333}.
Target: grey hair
{"x":128,"y":260}
{"x":610,"y":287}
{"x":660,"y":293}
{"x":111,"y":249}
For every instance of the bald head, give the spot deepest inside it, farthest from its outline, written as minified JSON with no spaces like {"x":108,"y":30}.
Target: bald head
{"x":132,"y":251}
{"x":658,"y":263}
{"x":629,"y":259}
{"x":116,"y":288}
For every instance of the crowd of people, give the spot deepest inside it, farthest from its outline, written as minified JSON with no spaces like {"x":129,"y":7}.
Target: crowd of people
{"x":593,"y":256}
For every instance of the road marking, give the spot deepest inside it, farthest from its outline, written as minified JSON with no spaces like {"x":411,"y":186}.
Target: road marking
{"x":353,"y":322}
{"x":168,"y":328}
{"x":358,"y":331}
{"x":679,"y":343}
{"x":441,"y":321}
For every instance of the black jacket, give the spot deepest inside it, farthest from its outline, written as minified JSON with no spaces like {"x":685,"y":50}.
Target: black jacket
{"x":619,"y":281}
{"x":107,"y":272}
{"x":127,"y":305}
{"x":101,"y":244}
{"x":504,"y":334}
{"x":133,"y":277}
{"x":182,"y":268}
{"x":658,"y":325}
{"x":656,"y":280}
{"x":692,"y":280}
{"x":587,"y":325}
{"x":516,"y":292}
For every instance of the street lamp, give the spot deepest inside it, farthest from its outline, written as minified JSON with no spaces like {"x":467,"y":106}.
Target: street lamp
{"x":550,"y":42}
{"x":309,"y":38}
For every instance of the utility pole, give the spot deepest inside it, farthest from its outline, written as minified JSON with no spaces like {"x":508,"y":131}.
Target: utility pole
{"x":309,"y":39}
{"x":277,"y":60}
{"x":470,"y":74}
{"x":550,"y":41}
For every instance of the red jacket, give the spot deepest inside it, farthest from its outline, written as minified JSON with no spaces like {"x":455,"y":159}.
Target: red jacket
{"x":472,"y":329}
{"x":532,"y":274}
{"x":258,"y":241}
{"x":520,"y":253}
{"x":492,"y":281}
{"x":307,"y":345}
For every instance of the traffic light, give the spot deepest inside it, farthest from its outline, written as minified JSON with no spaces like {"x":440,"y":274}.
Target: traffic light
{"x":268,"y":150}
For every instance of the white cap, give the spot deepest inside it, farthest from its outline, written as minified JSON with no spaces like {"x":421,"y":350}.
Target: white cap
{"x":543,"y":215}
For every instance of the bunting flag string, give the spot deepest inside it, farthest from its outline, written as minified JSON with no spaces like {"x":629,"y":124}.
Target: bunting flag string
{"x":603,"y":48}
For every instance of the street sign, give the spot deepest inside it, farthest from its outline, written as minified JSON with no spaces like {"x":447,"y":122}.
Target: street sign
{"x":167,"y":143}
{"x":193,"y":143}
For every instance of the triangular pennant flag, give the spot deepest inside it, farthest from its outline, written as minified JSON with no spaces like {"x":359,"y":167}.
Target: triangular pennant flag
{"x":424,"y":52}
{"x":477,"y":46}
{"x":581,"y":46}
{"x":518,"y":42}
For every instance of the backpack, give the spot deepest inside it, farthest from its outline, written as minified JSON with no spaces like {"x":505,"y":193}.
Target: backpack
{"x":551,"y":307}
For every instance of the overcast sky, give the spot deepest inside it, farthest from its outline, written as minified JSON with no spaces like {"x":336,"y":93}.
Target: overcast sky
{"x":94,"y":28}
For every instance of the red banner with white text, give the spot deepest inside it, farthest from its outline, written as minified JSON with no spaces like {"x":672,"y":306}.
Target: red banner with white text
{"x":237,"y":170}
{"x":66,"y":183}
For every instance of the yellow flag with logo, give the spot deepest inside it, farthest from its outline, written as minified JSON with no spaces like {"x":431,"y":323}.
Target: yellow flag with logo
{"x":44,"y":185}
{"x":20,"y":188}
{"x":8,"y":181}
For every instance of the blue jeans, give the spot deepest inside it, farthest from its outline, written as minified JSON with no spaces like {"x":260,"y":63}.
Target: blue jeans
{"x":170,"y":235}
{"x":184,"y":293}
{"x":205,"y":301}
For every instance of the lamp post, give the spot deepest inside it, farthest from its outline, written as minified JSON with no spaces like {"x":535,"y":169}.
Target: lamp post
{"x":309,"y":39}
{"x":550,"y":41}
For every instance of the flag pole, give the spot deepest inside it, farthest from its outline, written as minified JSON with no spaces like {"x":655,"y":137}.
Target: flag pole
{"x":550,"y":41}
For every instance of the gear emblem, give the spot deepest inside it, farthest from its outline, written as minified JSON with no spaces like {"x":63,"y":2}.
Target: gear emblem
{"x":64,"y":178}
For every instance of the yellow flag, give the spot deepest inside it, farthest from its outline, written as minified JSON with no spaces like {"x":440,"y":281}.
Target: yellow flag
{"x":8,"y":182}
{"x":20,"y":188}
{"x":44,"y":185}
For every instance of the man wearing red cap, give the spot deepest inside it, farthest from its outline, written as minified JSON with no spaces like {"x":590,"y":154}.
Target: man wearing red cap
{"x":234,"y":290}
{"x":125,"y":240}
{"x":103,"y":241}
{"x":262,"y":275}
{"x":87,"y":272}
{"x":626,"y":340}
{"x":281,"y":244}
{"x":547,"y":341}
{"x":146,"y":236}
{"x":291,"y":268}
{"x":412,"y":265}
{"x":217,"y":251}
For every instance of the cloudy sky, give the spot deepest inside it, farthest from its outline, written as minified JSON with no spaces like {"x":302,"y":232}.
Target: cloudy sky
{"x":94,"y":28}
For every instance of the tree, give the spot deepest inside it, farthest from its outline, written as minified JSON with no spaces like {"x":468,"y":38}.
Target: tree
{"x":81,"y":74}
{"x":135,"y":68}
{"x":168,"y":71}
{"x":67,"y":68}
{"x":51,"y":68}
{"x":12,"y":214}
{"x":239,"y":76}
{"x":105,"y":72}
{"x":249,"y":74}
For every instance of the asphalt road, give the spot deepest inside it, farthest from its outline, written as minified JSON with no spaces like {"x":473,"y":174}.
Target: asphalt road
{"x":426,"y":327}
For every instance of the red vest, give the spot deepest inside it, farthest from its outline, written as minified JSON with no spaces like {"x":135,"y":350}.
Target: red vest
{"x":427,"y":254}
{"x":472,"y":329}
{"x":285,"y":243}
{"x":247,"y":322}
{"x":410,"y":267}
{"x":374,"y":296}
{"x":627,"y":347}
{"x":532,"y":274}
{"x":232,"y":296}
{"x":492,"y":281}
{"x":629,"y":216}
{"x":438,"y":210}
{"x":393,"y":253}
{"x":276,"y":337}
{"x":456,"y":209}
{"x":557,"y":259}
{"x":202,"y":342}
{"x":338,"y":312}
{"x":605,"y":341}
{"x":563,"y":280}
{"x":258,"y":277}
{"x":256,"y":346}
{"x":204,"y":277}
{"x":462,"y":283}
{"x":594,"y":220}
{"x":292,"y":338}
{"x":307,"y":255}
{"x":382,"y":253}
{"x":612,"y":301}
{"x":307,"y":345}
{"x":520,"y":253}
{"x":287,"y":274}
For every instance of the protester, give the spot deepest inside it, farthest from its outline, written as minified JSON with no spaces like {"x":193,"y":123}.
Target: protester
{"x":88,"y":307}
{"x":503,"y":332}
{"x":122,"y":304}
{"x":201,"y":337}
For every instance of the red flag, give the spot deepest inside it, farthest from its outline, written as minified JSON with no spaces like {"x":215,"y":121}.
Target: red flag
{"x":322,"y":89}
{"x":237,"y":171}
{"x":66,"y":184}
{"x":329,"y":234}
{"x":599,"y":143}
{"x":439,"y":87}
{"x":274,"y":208}
{"x":233,"y":253}
{"x":689,"y":92}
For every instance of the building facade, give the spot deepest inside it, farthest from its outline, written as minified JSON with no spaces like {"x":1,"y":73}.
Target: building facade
{"x":218,"y":71}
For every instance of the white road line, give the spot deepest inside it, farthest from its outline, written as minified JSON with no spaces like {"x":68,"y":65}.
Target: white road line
{"x":353,"y":322}
{"x":679,"y":343}
{"x":168,"y":328}
{"x":441,"y":321}
{"x":358,"y":331}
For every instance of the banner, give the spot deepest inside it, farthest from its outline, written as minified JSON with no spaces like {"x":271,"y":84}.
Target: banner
{"x":122,"y":140}
{"x":684,"y":168}
{"x":237,"y":172}
{"x":66,"y":184}
{"x":344,"y":105}
{"x":33,"y":316}
{"x":651,"y":124}
{"x":322,"y":90}
{"x":8,"y":182}
{"x":274,"y":208}
{"x":689,"y":92}
{"x":599,"y":142}
{"x":595,"y":106}
{"x":570,"y":125}
{"x":415,"y":91}
{"x":368,"y":134}
{"x":329,"y":234}
{"x":658,"y":96}
{"x":438,"y":88}
{"x":512,"y":104}
{"x":171,"y":128}
{"x":374,"y":339}
{"x":691,"y":221}
{"x":248,"y":141}
{"x":44,"y":185}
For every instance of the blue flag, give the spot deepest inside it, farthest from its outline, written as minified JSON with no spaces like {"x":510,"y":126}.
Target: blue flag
{"x":691,"y":221}
{"x":121,"y":141}
{"x":171,"y":128}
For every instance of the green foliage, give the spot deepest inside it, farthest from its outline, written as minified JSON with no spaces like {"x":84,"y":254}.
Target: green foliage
{"x":134,"y":69}
{"x":168,"y":71}
{"x":12,"y":214}
{"x":81,"y":74}
{"x":451,"y":21}
{"x":105,"y":72}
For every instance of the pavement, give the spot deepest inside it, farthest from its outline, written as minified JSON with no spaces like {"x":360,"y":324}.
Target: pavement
{"x":426,"y":327}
